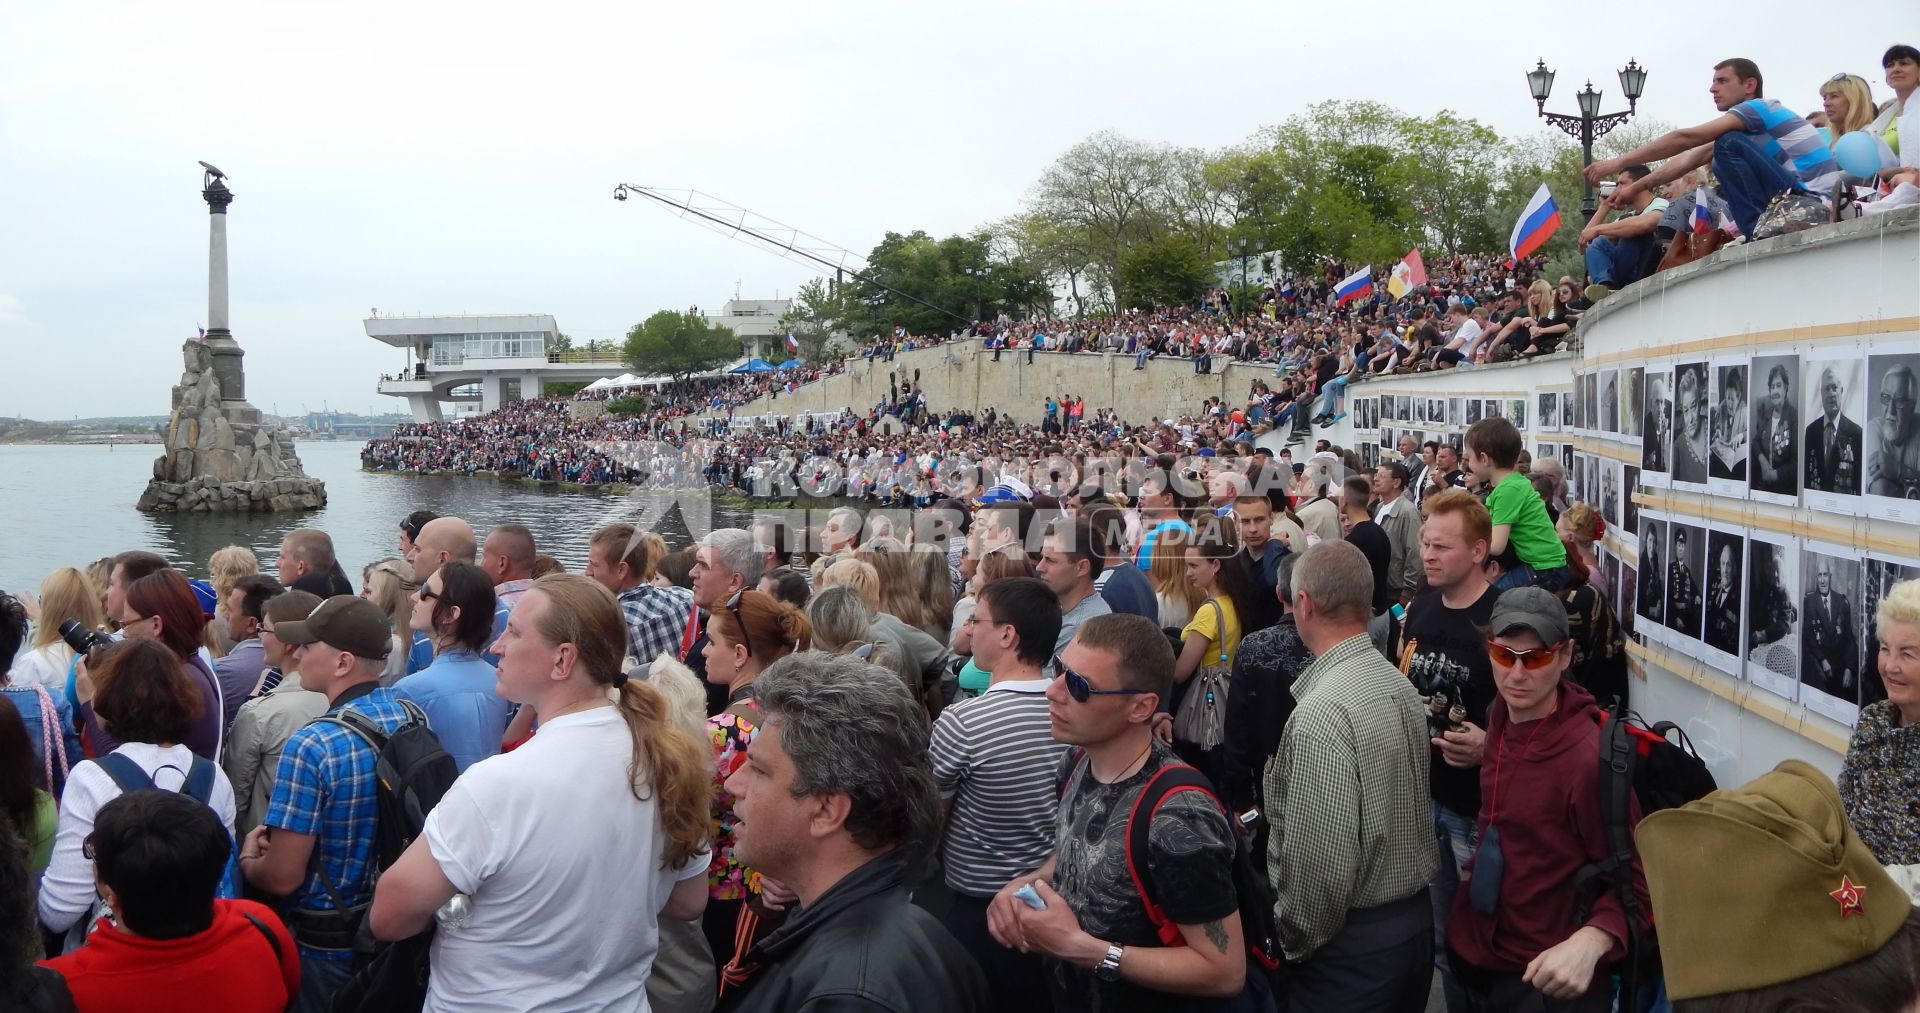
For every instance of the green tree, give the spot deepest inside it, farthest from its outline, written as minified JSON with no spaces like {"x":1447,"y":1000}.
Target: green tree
{"x":562,"y":388}
{"x":560,"y":342}
{"x":631,"y":404}
{"x":677,"y":344}
{"x":933,"y":286}
{"x":818,"y":311}
{"x":1163,"y":272}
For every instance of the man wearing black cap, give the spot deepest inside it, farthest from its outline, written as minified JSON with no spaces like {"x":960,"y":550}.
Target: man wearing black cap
{"x":1507,"y":936}
{"x":315,"y":845}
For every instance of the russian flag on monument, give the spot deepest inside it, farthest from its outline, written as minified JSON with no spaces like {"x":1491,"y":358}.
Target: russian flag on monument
{"x":1353,"y":286}
{"x":1536,"y":223}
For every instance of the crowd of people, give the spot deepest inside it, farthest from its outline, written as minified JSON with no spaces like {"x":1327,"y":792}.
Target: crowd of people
{"x":1081,"y":715}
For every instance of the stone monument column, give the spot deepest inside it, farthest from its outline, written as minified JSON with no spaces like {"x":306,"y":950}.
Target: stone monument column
{"x":226,"y":351}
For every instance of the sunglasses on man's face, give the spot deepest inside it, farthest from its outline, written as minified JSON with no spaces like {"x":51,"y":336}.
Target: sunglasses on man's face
{"x":1507,"y":657}
{"x":1080,"y":689}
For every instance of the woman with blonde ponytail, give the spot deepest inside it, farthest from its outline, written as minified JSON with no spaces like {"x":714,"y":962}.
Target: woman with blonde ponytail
{"x":548,"y":867}
{"x":744,"y":636}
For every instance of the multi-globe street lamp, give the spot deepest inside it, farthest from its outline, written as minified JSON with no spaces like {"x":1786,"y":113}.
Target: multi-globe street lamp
{"x":1591,"y":123}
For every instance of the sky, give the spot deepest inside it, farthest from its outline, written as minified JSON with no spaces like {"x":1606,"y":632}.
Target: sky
{"x":451,"y":158}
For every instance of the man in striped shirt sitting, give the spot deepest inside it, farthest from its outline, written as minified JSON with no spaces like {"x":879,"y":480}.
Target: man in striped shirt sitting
{"x":994,"y":758}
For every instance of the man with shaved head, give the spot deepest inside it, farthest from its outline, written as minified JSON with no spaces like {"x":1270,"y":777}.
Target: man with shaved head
{"x":507,"y":555}
{"x":446,"y":540}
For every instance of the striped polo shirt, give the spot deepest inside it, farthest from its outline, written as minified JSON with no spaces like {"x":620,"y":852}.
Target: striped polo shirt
{"x":1789,"y":140}
{"x":994,"y":756}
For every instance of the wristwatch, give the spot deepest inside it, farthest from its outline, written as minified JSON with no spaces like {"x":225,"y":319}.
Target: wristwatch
{"x":1108,"y":969}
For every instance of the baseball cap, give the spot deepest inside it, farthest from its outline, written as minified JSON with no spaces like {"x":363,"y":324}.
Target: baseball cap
{"x":1530,"y":608}
{"x":345,"y":622}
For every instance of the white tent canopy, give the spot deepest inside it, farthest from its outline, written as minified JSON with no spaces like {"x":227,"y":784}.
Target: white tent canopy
{"x":601,"y":384}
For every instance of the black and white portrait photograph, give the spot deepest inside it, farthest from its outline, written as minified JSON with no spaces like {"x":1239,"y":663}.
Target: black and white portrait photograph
{"x":1881,"y":574}
{"x":1608,"y":406}
{"x":1773,"y":449}
{"x":1690,"y":411}
{"x":1610,"y":491}
{"x":1624,"y":605}
{"x":1655,"y":426}
{"x":1833,"y":401}
{"x":1686,"y":593}
{"x":1456,"y":411}
{"x":1549,"y":412}
{"x":1474,"y":406}
{"x":1893,"y":438}
{"x":1629,"y":510}
{"x":1566,"y":410}
{"x":1727,"y":430}
{"x":1653,"y":563}
{"x":1493,"y":409}
{"x":1773,"y":614}
{"x":1608,"y":579}
{"x":1566,"y":457}
{"x":1633,"y":409}
{"x":1726,"y":592}
{"x":1582,"y":402}
{"x":1517,"y":412}
{"x":1586,"y":482}
{"x":1830,"y":581}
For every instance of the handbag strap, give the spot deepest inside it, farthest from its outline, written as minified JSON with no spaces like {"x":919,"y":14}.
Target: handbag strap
{"x":51,"y":736}
{"x":1219,"y":628}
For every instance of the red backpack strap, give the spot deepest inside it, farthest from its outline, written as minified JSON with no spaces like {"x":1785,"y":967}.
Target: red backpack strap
{"x":1166,"y":782}
{"x":692,"y":632}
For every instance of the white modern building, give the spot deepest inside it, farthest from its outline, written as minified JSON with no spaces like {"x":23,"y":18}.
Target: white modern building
{"x":757,"y":323}
{"x":479,"y":362}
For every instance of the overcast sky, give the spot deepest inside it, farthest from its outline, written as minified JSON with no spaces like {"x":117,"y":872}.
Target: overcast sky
{"x":456,"y":158}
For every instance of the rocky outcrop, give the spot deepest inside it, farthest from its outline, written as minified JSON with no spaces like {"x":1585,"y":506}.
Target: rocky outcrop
{"x":220,"y":457}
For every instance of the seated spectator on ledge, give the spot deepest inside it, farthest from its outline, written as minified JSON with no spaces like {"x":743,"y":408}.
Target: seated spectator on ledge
{"x":1617,"y":250}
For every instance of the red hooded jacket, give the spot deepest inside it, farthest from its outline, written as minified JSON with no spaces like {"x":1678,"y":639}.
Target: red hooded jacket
{"x":1538,"y":784}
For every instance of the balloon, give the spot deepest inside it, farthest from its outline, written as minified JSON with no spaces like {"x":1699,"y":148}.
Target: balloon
{"x":1858,"y":153}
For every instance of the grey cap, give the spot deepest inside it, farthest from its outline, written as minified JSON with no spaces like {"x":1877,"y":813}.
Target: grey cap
{"x":1531,"y":608}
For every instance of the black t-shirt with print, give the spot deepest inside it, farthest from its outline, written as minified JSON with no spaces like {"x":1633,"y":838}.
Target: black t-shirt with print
{"x":1449,"y":654}
{"x":1189,"y":872}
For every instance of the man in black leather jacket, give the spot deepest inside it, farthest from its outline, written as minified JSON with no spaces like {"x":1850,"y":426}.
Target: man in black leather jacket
{"x":837,"y":800}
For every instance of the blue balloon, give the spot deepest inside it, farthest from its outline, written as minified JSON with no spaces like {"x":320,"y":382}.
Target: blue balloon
{"x":1858,"y":153}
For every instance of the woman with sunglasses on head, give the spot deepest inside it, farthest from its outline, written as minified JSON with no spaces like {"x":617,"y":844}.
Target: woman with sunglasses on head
{"x":744,"y":636}
{"x":455,"y":608}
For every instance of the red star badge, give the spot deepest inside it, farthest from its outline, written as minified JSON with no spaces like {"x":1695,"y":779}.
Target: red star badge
{"x":1849,"y":897}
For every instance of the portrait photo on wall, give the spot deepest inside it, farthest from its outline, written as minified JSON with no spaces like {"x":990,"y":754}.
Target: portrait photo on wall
{"x":1566,"y":457}
{"x":1880,"y":577}
{"x":1517,"y":412}
{"x":1830,"y":579}
{"x":1773,"y":614}
{"x":1653,"y":563}
{"x":1834,"y":405}
{"x":1727,"y":442}
{"x":1609,"y":403}
{"x":1690,"y":411}
{"x":1495,"y":409}
{"x":1549,"y":412}
{"x":1474,"y":408}
{"x":1566,"y":410}
{"x":1456,"y":411}
{"x":1726,"y":594}
{"x":1634,"y":405}
{"x":1685,"y":593}
{"x":1773,"y":447}
{"x":1893,"y":439}
{"x":1623,"y":606}
{"x":1629,"y":510}
{"x":1610,"y":491}
{"x":1583,"y":402}
{"x":1655,"y":427}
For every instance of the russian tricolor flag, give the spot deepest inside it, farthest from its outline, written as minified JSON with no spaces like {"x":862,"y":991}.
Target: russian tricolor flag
{"x":1536,"y":223}
{"x":793,"y":344}
{"x":1353,"y":286}
{"x":1702,"y":217}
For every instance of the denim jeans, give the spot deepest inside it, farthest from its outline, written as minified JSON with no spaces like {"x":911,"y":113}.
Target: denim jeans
{"x":1524,"y":575}
{"x":1140,"y":359}
{"x":1616,"y":263}
{"x":1455,"y":835}
{"x":1749,"y":178}
{"x":1330,"y":401}
{"x":319,"y":980}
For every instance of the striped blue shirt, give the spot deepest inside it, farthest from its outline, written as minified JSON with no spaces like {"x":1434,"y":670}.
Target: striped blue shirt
{"x":1790,"y":141}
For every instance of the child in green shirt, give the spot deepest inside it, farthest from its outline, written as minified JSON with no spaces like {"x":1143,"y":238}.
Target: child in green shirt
{"x":1524,"y":540}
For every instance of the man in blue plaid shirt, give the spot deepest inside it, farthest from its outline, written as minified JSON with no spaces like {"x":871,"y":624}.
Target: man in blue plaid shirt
{"x":623,"y":559}
{"x":315,"y":846}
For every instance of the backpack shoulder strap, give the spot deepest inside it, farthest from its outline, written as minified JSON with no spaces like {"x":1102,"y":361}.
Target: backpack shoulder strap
{"x":1166,"y":782}
{"x":1079,"y":760}
{"x":279,"y":956}
{"x":125,"y":773}
{"x":199,"y":783}
{"x":361,"y":725}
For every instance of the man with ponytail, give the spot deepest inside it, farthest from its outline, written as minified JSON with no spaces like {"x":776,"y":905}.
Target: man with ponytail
{"x":837,"y":799}
{"x":608,"y":800}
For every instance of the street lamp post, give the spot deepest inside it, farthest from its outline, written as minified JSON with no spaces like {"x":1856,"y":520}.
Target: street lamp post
{"x":1243,"y":276}
{"x":1591,"y":123}
{"x":979,"y":279}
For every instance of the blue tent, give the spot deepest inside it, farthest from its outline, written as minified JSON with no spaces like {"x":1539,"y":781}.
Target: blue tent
{"x":789,"y":364}
{"x":753,"y":365}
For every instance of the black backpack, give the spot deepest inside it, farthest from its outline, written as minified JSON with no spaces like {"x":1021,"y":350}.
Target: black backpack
{"x":1265,"y":984}
{"x":411,"y":775}
{"x":1637,"y":760}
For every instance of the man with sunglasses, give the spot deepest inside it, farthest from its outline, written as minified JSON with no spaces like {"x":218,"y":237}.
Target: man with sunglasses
{"x":993,"y":759}
{"x":1542,"y":821}
{"x":1106,"y":951}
